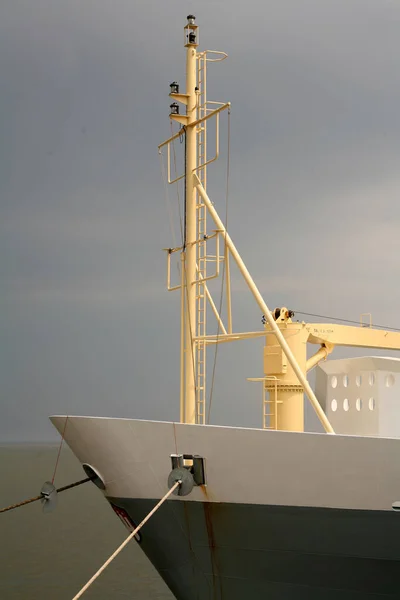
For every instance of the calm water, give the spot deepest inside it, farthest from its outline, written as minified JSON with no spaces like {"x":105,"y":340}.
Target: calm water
{"x":51,"y":556}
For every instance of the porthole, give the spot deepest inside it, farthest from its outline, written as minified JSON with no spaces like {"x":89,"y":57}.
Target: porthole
{"x":358,"y":380}
{"x":358,"y":404}
{"x":371,"y":404}
{"x":345,"y":380}
{"x":346,"y":404}
{"x":389,"y":380}
{"x":371,"y":378}
{"x":334,"y":381}
{"x":334,"y":405}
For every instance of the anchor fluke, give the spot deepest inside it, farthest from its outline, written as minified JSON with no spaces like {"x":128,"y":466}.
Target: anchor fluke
{"x":49,"y":497}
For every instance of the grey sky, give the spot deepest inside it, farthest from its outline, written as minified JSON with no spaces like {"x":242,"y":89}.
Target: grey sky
{"x":87,"y":325}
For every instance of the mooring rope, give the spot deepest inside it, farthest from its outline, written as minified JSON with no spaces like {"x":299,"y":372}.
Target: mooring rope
{"x":125,"y":542}
{"x":61,"y":489}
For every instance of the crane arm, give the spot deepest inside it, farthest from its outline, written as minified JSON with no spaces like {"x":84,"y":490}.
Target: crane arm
{"x":357,"y":337}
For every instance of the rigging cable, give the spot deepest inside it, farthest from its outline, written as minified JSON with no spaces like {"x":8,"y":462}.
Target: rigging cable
{"x":228,"y":160}
{"x":299,"y":312}
{"x":167,"y":200}
{"x":190,"y":329}
{"x":170,"y":506}
{"x":177,"y":183}
{"x":59,"y":449}
{"x":184,"y":191}
{"x":182,"y":138}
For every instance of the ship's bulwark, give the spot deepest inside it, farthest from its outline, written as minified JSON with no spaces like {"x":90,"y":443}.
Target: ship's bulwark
{"x":220,"y":551}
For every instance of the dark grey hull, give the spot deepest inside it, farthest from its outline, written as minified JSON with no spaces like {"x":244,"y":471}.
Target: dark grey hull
{"x":215,"y":551}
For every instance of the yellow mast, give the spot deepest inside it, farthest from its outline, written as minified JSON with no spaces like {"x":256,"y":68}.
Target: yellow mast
{"x":285,"y":356}
{"x":190,"y":224}
{"x":189,"y":249}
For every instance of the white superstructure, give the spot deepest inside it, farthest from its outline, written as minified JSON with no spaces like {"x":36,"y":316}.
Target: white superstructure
{"x":361,"y":396}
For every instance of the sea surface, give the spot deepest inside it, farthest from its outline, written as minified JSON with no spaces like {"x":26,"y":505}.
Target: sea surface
{"x":51,"y":556}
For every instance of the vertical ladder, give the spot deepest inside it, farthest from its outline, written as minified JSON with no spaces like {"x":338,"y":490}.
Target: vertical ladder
{"x":270,"y":406}
{"x":202,"y":243}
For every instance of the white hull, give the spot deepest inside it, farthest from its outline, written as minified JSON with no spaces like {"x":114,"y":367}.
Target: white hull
{"x":284,"y":516}
{"x":247,"y":466}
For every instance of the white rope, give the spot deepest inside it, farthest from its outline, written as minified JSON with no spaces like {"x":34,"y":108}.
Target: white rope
{"x":125,"y":542}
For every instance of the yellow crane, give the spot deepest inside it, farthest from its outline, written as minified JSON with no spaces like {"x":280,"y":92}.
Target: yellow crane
{"x":281,"y":382}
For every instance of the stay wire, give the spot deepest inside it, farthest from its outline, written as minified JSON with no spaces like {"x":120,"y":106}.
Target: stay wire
{"x":228,"y":160}
{"x":177,"y":183}
{"x":59,"y":449}
{"x":184,"y":192}
{"x":171,"y":507}
{"x":182,"y":138}
{"x":167,"y":200}
{"x":190,"y":327}
{"x":299,"y":312}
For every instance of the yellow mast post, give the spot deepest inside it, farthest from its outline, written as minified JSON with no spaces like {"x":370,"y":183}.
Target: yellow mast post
{"x":190,"y":223}
{"x":189,"y":250}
